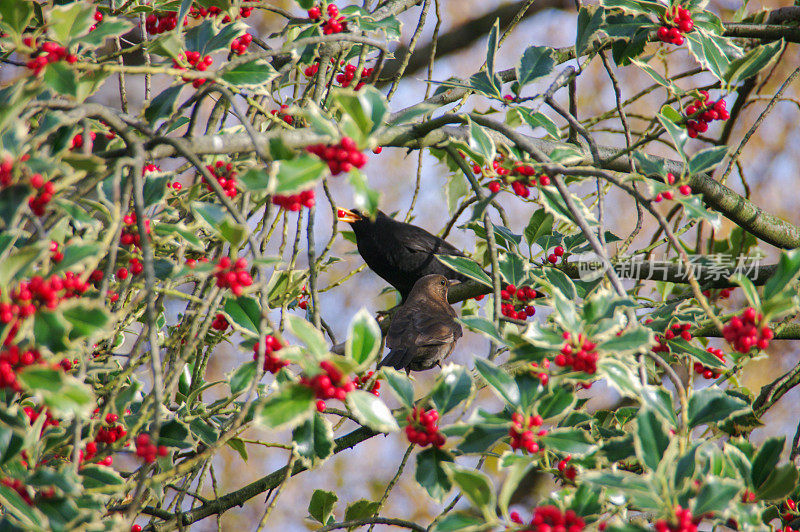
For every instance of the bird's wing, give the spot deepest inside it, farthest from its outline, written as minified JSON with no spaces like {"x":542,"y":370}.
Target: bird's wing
{"x":435,"y":328}
{"x":418,"y":240}
{"x":397,"y":358}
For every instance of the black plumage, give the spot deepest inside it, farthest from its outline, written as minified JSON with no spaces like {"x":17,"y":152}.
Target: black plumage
{"x":399,"y":252}
{"x":424,"y":330}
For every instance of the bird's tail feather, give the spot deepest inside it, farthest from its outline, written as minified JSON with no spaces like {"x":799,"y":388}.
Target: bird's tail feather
{"x":395,"y":359}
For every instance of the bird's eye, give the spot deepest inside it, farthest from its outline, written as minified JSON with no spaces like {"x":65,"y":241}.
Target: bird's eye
{"x":443,"y":282}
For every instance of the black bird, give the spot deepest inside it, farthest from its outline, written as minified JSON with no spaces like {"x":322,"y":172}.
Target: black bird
{"x":424,"y":329}
{"x":398,"y":252}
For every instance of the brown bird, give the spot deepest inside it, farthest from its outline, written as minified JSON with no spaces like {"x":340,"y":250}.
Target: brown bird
{"x":424,"y":329}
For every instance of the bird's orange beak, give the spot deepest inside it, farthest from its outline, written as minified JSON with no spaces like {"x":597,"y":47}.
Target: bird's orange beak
{"x":345,"y":215}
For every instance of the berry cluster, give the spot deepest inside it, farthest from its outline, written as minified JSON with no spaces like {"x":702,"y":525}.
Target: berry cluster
{"x":540,"y":372}
{"x":724,"y":293}
{"x":705,"y":371}
{"x":240,"y":44}
{"x":677,"y":330}
{"x":6,"y":167}
{"x":335,"y":22}
{"x":685,"y":190}
{"x":113,"y":432}
{"x":156,"y":23}
{"x":746,"y":331}
{"x":38,"y":293}
{"x":346,"y":77}
{"x":521,"y":434}
{"x":147,"y":450}
{"x":233,"y":275}
{"x":423,"y":428}
{"x":708,"y":112}
{"x":294,"y":202}
{"x":13,"y":359}
{"x":213,"y":11}
{"x":312,"y":69}
{"x":220,"y":323}
{"x":225,"y":176}
{"x":55,"y":254}
{"x":272,"y":363}
{"x":33,"y":415}
{"x":48,"y":52}
{"x":567,"y":470}
{"x":341,"y":157}
{"x":516,"y":298}
{"x":550,"y":518}
{"x":361,"y":382}
{"x":193,"y":60}
{"x":686,"y":522}
{"x":578,"y":353}
{"x":283,"y":114}
{"x":77,"y":141}
{"x":302,"y":299}
{"x":98,"y":18}
{"x":789,"y":509}
{"x":44,"y":193}
{"x":130,"y":232}
{"x":557,"y":253}
{"x":331,"y":384}
{"x":676,"y":22}
{"x":521,"y":176}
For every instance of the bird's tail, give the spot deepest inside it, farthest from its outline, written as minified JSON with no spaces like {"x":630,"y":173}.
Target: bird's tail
{"x":395,"y":359}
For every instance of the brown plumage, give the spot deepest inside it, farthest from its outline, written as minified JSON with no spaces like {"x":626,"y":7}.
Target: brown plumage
{"x":424,"y":329}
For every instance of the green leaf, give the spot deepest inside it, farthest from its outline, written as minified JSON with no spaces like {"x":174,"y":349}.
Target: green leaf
{"x":570,"y":441}
{"x":85,"y":319}
{"x":651,"y":438}
{"x":555,"y":403}
{"x":537,"y":119}
{"x":715,"y":495}
{"x":298,"y":174}
{"x":476,"y":486}
{"x":780,"y":483}
{"x":110,"y":27}
{"x":748,"y":289}
{"x":12,"y":198}
{"x":250,"y":75}
{"x":553,"y":202}
{"x":363,"y":338}
{"x":706,"y":160}
{"x":14,"y":16}
{"x":711,"y":404}
{"x":539,"y":225}
{"x":174,"y":433}
{"x":590,"y":22}
{"x":321,"y":505}
{"x":97,"y":476}
{"x":669,"y":119}
{"x":244,"y":311}
{"x":484,"y":326}
{"x":753,"y":62}
{"x":465,"y":266}
{"x":67,"y":22}
{"x":712,"y":52}
{"x":491,"y":46}
{"x":314,"y":440}
{"x":11,"y":501}
{"x":701,"y":355}
{"x":63,"y":394}
{"x":460,"y":521}
{"x":431,"y":474}
{"x":453,"y":386}
{"x":481,"y":143}
{"x":59,"y":77}
{"x":619,"y":375}
{"x":367,"y":108}
{"x":512,"y":268}
{"x":500,"y":381}
{"x":536,"y":62}
{"x":517,"y":471}
{"x":76,"y":254}
{"x":288,"y":407}
{"x":787,"y":272}
{"x":180,"y":229}
{"x":695,"y":210}
{"x":766,"y":459}
{"x":365,"y":198}
{"x":400,"y":385}
{"x":241,"y":377}
{"x":371,"y":411}
{"x":632,"y":340}
{"x":50,"y":330}
{"x":238,"y":445}
{"x":163,"y":105}
{"x":360,"y":509}
{"x":308,"y":334}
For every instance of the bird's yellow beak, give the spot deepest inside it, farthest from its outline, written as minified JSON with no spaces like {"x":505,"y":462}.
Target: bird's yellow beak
{"x":453,"y":282}
{"x":345,"y":215}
